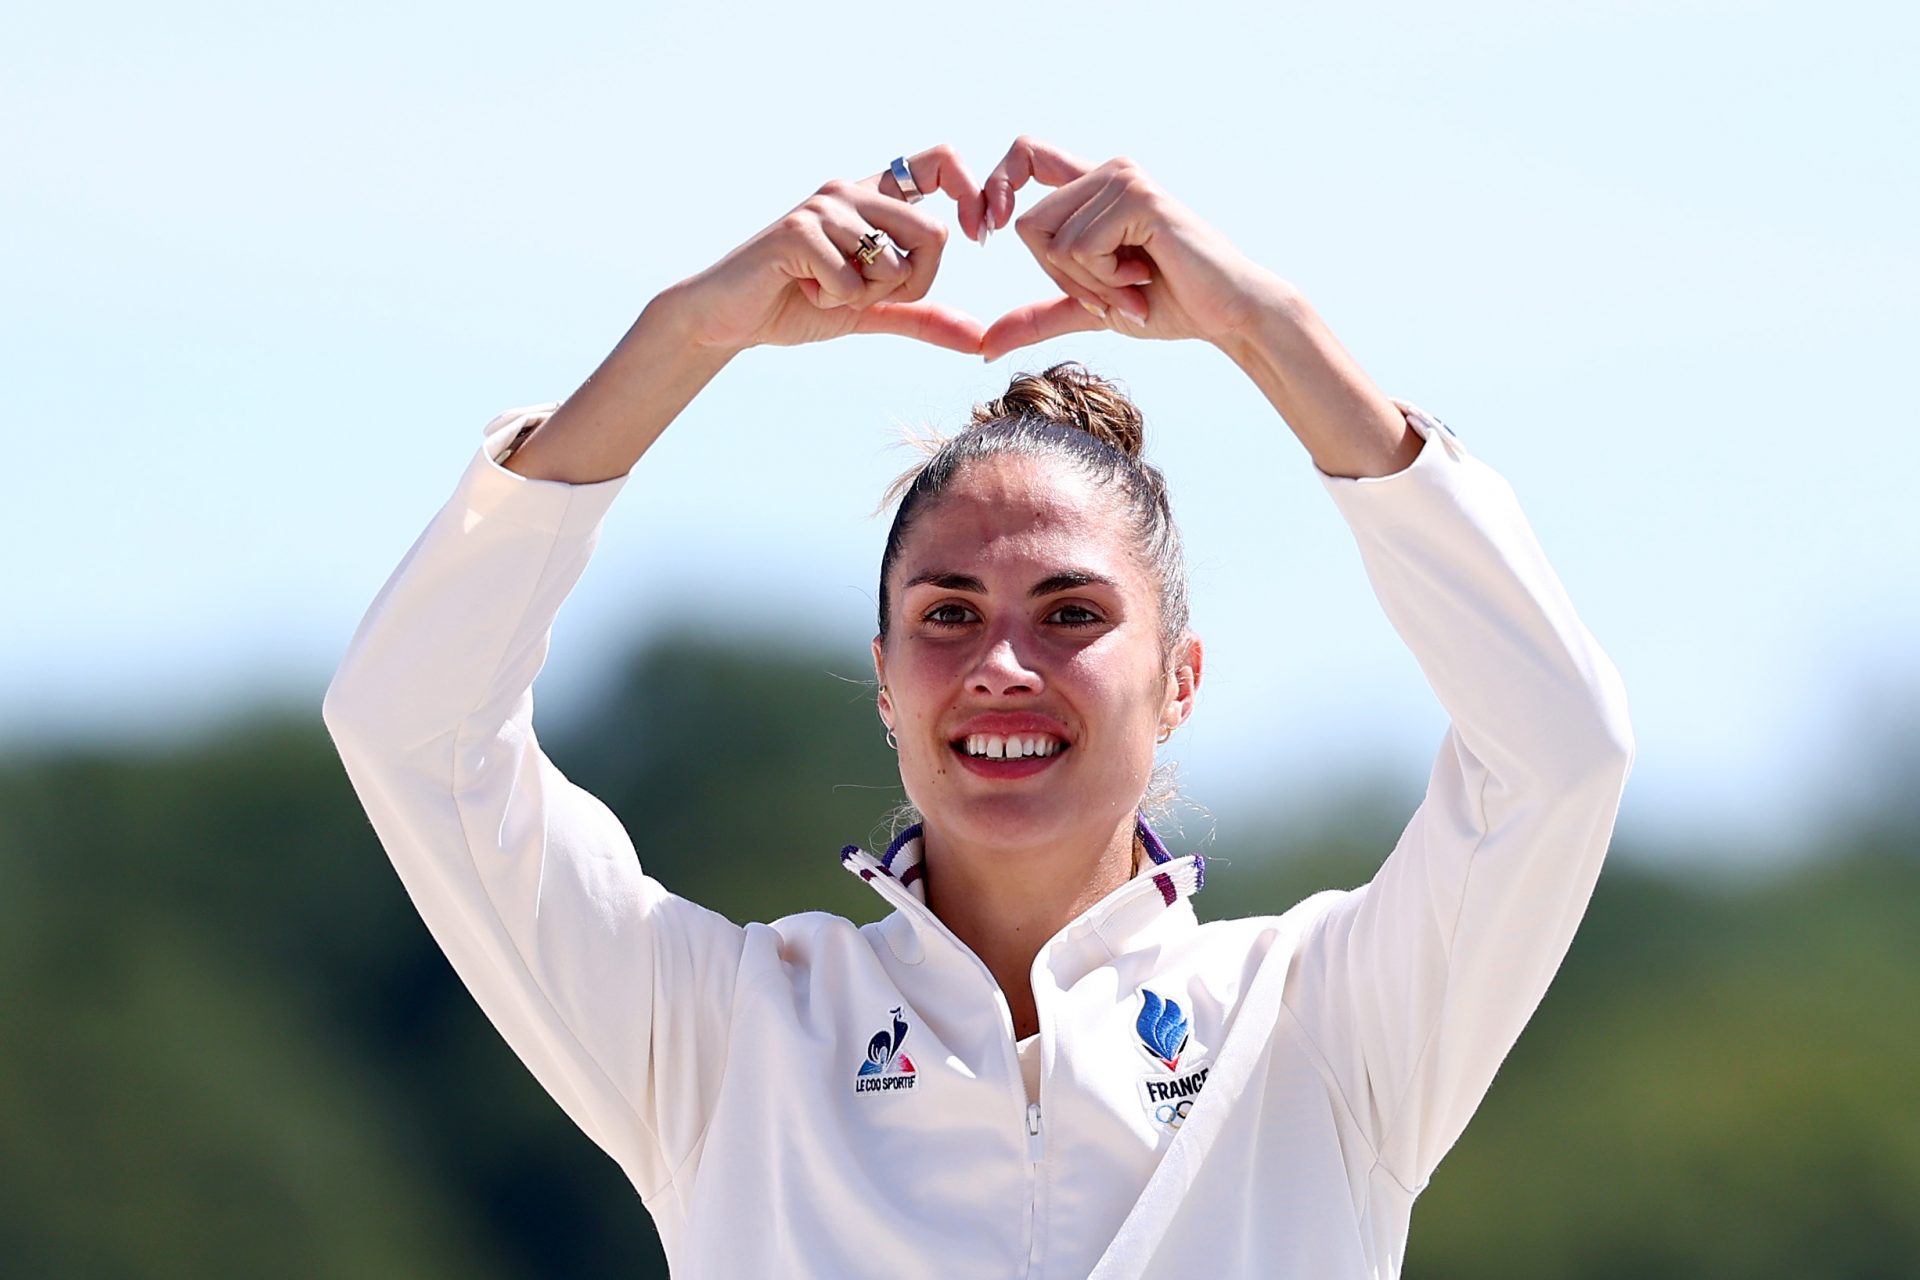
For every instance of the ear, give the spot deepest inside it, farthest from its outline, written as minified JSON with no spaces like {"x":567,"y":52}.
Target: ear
{"x":885,"y":701}
{"x":1183,"y":681}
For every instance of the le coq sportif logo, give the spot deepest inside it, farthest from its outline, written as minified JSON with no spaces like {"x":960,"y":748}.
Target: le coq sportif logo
{"x":887,"y":1068}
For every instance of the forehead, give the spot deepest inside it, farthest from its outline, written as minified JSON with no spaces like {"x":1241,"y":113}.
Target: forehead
{"x":1017,"y":510}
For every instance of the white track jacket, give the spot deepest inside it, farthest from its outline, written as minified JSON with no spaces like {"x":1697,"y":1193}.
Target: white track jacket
{"x":1259,"y":1097}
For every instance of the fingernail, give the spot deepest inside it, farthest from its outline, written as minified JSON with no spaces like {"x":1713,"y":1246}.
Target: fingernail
{"x":1137,"y":321}
{"x":985,"y":231}
{"x":1096,"y":309}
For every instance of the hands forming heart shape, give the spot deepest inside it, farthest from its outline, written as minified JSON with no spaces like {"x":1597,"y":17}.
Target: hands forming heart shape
{"x":1126,"y":255}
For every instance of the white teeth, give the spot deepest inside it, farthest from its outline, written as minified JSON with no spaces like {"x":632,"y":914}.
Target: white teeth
{"x":992,"y":746}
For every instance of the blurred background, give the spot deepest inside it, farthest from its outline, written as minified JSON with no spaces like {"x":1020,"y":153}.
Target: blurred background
{"x":269,"y":270}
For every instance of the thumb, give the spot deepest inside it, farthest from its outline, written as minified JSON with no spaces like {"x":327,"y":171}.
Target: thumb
{"x":931,"y":322}
{"x":1036,"y":322}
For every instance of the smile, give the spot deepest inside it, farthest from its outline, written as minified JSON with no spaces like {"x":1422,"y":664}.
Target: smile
{"x":993,"y":746}
{"x":1004,"y":758}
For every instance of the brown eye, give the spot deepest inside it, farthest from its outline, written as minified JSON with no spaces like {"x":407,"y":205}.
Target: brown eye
{"x":1074,"y":615}
{"x":948,"y":615}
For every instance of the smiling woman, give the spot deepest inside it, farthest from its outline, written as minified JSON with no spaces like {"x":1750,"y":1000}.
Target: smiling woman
{"x":1041,"y":1063}
{"x":1041,"y":637}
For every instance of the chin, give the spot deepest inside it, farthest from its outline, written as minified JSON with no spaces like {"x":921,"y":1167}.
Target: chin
{"x":1013,"y":823}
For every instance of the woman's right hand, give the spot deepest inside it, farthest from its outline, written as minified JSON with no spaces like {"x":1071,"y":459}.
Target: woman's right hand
{"x":798,"y":280}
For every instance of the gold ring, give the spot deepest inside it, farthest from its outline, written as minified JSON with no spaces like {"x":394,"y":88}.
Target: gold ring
{"x":870,"y":247}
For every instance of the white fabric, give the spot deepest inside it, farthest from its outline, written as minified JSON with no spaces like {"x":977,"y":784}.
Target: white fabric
{"x":1029,"y":1051}
{"x":1346,"y":1041}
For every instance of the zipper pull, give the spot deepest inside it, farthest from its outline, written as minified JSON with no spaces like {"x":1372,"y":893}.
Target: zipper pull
{"x":1033,"y":1131}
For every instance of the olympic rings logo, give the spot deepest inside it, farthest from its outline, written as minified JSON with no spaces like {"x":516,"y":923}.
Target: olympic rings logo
{"x":1172,"y":1114}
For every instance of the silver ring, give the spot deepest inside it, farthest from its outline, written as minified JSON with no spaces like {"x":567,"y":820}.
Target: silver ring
{"x":904,"y":176}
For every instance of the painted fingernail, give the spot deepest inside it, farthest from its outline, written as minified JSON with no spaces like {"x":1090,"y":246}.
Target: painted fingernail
{"x":1137,"y":321}
{"x":1095,"y":309}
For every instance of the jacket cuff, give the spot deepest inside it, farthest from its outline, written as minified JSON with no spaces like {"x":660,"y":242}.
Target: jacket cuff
{"x":1437,"y":472}
{"x":490,"y":491}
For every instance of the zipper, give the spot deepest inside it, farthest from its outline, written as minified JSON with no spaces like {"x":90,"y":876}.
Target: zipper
{"x":1034,"y":1224}
{"x":896,"y":893}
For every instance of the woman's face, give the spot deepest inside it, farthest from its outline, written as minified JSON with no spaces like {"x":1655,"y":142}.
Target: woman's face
{"x":1023,"y":670}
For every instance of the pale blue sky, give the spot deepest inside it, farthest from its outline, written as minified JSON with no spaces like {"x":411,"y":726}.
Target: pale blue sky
{"x":269,"y":269}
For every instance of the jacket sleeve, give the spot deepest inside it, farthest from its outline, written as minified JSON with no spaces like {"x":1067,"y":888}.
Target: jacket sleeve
{"x":611,"y":990}
{"x":1417,"y":984}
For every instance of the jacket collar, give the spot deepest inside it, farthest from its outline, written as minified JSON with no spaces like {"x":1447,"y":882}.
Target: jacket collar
{"x":1165,"y":883}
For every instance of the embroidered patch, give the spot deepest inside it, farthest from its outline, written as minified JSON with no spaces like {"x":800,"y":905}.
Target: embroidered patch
{"x":1162,"y":1025}
{"x":1169,"y":1100}
{"x":886,"y":1067}
{"x":1164,"y":1035}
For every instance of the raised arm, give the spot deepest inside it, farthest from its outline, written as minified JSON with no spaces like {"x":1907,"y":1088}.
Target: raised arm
{"x":1415,"y":986}
{"x":614,"y":992}
{"x":529,"y":884}
{"x":795,"y":282}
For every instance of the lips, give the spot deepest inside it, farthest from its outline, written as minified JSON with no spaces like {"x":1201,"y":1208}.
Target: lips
{"x":1004,"y":768}
{"x":1010,"y":744}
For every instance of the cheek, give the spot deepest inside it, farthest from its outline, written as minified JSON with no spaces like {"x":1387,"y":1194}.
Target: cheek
{"x":922,"y":680}
{"x":926,"y":764}
{"x":1115,"y":681}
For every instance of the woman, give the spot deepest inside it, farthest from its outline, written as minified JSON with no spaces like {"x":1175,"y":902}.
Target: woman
{"x":1039,"y":1064}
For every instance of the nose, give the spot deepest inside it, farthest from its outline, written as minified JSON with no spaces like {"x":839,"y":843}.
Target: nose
{"x":1002,"y":670}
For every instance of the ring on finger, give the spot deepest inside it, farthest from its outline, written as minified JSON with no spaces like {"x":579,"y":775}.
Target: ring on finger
{"x":870,"y":246}
{"x":909,"y":191}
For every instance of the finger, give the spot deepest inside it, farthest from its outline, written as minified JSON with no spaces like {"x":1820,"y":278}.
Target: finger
{"x":1035,"y":322}
{"x":1083,"y":197}
{"x":879,"y":278}
{"x":1088,"y":247}
{"x":940,"y":169}
{"x":836,"y":282}
{"x":1077,"y":292}
{"x":1028,"y":158}
{"x":1063,"y":218}
{"x":1058,"y":247}
{"x":1036,"y":230}
{"x":1132,"y":266}
{"x":925,"y":321}
{"x":920,"y":236}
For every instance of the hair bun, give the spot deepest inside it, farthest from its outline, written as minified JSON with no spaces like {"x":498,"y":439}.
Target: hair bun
{"x":1072,"y":396}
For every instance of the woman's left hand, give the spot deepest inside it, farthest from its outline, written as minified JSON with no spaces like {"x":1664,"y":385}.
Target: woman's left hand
{"x":1111,"y":237}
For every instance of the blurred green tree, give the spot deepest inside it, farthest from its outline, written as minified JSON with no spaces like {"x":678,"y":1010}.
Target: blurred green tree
{"x":231,"y":1048}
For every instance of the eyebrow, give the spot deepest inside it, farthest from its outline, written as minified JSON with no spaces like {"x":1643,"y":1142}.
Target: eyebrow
{"x":1067,"y":580}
